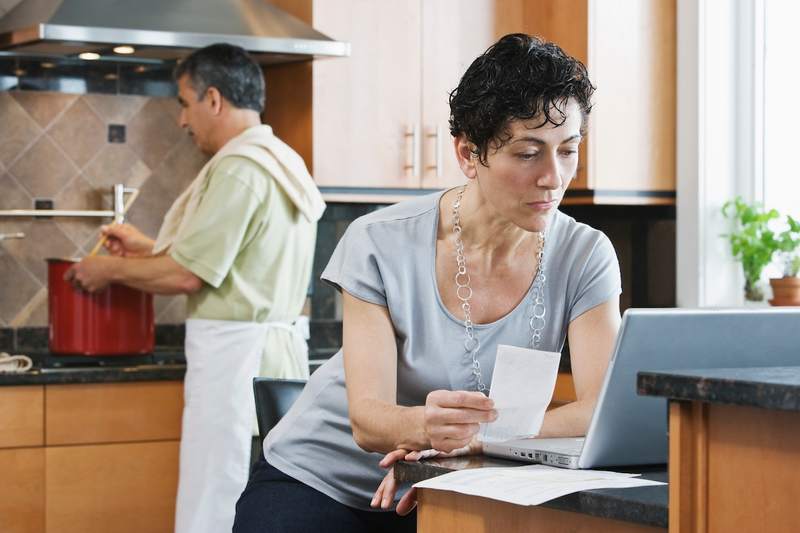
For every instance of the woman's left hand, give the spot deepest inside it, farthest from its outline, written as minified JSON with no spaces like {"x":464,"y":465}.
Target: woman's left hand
{"x":384,"y":496}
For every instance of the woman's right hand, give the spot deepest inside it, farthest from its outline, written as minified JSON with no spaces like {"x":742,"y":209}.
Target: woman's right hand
{"x":126,"y":241}
{"x":452,"y":418}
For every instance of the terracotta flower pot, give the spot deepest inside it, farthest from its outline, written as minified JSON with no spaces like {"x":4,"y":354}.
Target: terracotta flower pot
{"x":785,"y":291}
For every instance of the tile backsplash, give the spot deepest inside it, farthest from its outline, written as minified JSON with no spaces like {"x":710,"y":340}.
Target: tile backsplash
{"x":57,"y":146}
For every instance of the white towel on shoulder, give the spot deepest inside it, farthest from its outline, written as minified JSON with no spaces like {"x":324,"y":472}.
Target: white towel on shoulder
{"x":278,"y":160}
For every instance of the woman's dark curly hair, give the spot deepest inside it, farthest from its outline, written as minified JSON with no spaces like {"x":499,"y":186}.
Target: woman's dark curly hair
{"x":517,"y":78}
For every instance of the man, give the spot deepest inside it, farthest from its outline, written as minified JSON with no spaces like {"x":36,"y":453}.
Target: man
{"x":239,"y":241}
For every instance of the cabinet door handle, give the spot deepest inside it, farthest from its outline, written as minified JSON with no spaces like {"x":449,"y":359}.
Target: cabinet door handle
{"x":437,"y":151}
{"x":416,"y":148}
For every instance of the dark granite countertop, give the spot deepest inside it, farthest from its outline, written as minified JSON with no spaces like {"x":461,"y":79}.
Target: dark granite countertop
{"x":641,"y":505}
{"x":765,"y":387}
{"x":162,"y":365}
{"x":165,"y":364}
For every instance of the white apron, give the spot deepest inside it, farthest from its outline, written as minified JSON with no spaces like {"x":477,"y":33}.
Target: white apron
{"x":222,"y":358}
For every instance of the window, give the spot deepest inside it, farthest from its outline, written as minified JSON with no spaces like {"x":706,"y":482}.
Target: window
{"x":781,"y":110}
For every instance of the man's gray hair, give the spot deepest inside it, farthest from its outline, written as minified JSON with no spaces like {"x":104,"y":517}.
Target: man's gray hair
{"x":228,"y":68}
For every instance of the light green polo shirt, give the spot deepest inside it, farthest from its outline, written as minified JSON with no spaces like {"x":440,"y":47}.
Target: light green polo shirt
{"x":251,"y":247}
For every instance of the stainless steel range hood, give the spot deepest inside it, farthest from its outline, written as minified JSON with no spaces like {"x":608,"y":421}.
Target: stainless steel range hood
{"x":162,"y":30}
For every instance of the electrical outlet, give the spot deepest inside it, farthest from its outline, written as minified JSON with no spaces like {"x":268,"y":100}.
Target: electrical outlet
{"x":116,"y":133}
{"x":43,"y":204}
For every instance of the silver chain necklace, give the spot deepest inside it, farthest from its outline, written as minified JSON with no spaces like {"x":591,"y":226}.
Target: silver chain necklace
{"x":536,"y":308}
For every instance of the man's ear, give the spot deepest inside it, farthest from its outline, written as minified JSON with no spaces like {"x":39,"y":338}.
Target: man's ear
{"x":214,"y":98}
{"x":465,"y":154}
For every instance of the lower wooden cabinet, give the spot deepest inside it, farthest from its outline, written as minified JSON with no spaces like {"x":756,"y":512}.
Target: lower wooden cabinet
{"x":111,"y":488}
{"x":88,"y":458}
{"x":21,"y":416}
{"x":22,"y":490}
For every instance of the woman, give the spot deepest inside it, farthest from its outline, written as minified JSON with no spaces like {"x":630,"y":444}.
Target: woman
{"x":432,"y":286}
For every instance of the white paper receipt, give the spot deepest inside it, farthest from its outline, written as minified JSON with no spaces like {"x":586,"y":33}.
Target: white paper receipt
{"x":522,"y":387}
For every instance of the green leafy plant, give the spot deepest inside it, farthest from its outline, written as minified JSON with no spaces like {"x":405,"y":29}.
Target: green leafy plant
{"x":789,"y":246}
{"x":753,"y":243}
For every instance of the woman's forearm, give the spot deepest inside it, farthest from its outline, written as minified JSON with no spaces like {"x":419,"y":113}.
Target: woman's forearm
{"x":570,"y":420}
{"x":381,"y":427}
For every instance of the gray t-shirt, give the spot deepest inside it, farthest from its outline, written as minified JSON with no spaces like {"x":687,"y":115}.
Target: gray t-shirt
{"x":388,"y":258}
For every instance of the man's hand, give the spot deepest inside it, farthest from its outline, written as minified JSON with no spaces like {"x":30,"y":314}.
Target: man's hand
{"x":124,"y":240}
{"x":91,"y":274}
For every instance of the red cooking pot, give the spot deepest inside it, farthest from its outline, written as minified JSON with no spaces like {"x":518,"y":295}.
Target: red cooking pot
{"x":115,"y":321}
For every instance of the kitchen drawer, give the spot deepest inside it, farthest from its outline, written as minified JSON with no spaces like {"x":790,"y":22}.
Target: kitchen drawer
{"x":21,"y":416}
{"x":111,"y":488}
{"x":113,"y":412}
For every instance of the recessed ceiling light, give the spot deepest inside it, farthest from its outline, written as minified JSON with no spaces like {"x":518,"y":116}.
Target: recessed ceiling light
{"x":124,"y":49}
{"x":89,"y":55}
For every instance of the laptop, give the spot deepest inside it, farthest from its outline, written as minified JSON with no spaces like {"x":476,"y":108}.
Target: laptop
{"x":627,"y":429}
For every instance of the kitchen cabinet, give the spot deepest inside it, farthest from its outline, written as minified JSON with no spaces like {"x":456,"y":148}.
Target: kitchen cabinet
{"x":21,"y":417}
{"x":378,"y":122}
{"x":113,"y":412}
{"x":380,"y":116}
{"x":21,"y":490}
{"x":629,"y":47}
{"x":123,"y":488}
{"x":89,"y":457}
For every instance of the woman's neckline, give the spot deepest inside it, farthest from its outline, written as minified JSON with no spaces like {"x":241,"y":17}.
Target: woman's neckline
{"x":435,"y":281}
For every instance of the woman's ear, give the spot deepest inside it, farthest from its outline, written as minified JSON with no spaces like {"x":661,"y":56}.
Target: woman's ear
{"x":467,"y":159}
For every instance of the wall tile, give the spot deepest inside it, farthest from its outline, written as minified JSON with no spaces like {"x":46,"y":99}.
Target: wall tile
{"x":43,"y":169}
{"x":80,"y":194}
{"x":18,"y":287}
{"x":154,"y":130}
{"x":12,"y":194}
{"x":43,"y":107}
{"x":113,"y":108}
{"x":180,"y":166}
{"x":170,"y":309}
{"x":18,"y":129}
{"x":79,"y":132}
{"x":151,"y":206}
{"x":116,"y":163}
{"x":43,"y":239}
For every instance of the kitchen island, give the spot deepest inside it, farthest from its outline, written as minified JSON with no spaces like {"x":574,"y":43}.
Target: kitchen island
{"x":734,"y":447}
{"x":641,"y":509}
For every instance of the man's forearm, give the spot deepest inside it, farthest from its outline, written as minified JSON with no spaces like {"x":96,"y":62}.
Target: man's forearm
{"x":160,"y":275}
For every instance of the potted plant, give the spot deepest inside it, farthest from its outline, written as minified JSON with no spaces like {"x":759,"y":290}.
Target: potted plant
{"x":786,"y":290}
{"x":753,"y":243}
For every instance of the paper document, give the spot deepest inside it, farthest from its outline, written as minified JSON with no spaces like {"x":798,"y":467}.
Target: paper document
{"x":522,"y":386}
{"x":530,"y":485}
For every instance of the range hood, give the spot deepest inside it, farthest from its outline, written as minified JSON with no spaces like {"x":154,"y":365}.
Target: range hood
{"x":160,"y":30}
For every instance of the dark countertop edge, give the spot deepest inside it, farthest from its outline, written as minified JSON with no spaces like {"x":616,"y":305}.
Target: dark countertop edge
{"x":96,"y":375}
{"x":711,"y":386}
{"x":602,"y":503}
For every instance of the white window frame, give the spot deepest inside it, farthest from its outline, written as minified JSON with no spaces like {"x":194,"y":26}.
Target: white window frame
{"x":719,"y":140}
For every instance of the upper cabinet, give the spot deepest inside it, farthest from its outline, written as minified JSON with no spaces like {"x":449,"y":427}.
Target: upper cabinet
{"x":381,"y":116}
{"x":379,"y":119}
{"x":629,"y":47}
